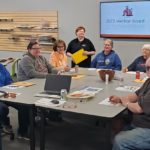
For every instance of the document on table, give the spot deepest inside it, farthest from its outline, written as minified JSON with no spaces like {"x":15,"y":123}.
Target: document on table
{"x":12,"y":87}
{"x":127,"y":88}
{"x":46,"y":102}
{"x":133,"y":72}
{"x":91,"y":89}
{"x":108,"y":103}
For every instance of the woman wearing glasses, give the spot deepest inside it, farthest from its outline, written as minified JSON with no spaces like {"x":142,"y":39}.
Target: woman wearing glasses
{"x":58,"y":57}
{"x":33,"y":64}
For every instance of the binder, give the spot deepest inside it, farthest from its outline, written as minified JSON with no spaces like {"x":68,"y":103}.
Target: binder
{"x":78,"y":56}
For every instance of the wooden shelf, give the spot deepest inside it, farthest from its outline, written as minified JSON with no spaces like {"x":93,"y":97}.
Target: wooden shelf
{"x":6,"y":29}
{"x":18,"y":28}
{"x":46,"y":43}
{"x":6,"y":19}
{"x":25,"y":27}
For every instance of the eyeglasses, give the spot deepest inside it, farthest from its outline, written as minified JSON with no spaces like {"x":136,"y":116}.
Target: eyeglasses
{"x":147,"y":68}
{"x":38,"y":48}
{"x":107,"y":45}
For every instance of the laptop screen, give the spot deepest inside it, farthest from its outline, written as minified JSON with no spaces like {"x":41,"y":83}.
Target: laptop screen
{"x":54,"y":83}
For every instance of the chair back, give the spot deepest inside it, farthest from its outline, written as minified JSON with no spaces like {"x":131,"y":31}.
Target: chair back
{"x":14,"y":67}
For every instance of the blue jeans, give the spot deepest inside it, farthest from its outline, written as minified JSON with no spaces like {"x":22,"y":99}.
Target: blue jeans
{"x":134,"y":139}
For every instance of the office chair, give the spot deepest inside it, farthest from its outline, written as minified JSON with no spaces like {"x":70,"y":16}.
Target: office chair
{"x":14,"y":67}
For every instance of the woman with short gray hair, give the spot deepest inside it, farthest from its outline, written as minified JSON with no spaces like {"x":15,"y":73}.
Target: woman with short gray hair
{"x":139,"y":63}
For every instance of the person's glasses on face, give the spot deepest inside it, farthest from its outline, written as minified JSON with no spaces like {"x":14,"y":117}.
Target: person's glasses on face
{"x":36,"y":48}
{"x":107,"y":45}
{"x":147,"y":68}
{"x":60,"y":47}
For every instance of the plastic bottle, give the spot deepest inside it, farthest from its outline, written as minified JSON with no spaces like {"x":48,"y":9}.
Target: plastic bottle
{"x":76,"y":68}
{"x":106,"y":79}
{"x":63,"y":94}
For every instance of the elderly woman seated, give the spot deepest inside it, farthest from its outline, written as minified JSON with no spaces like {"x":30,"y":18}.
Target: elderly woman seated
{"x":139,"y":63}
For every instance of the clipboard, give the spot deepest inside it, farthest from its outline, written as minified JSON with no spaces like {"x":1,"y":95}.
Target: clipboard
{"x":78,"y":56}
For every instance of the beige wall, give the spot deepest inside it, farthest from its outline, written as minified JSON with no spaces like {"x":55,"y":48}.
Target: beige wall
{"x":71,"y":14}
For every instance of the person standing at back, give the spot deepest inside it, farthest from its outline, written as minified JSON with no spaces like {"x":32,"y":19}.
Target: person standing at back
{"x":81,"y":43}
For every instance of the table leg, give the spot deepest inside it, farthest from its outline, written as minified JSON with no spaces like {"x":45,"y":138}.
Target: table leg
{"x":0,"y":138}
{"x":42,"y":129}
{"x":32,"y":132}
{"x":108,"y":130}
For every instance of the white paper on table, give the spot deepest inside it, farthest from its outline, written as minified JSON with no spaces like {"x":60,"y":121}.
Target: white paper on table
{"x":133,"y":72}
{"x":46,"y":102}
{"x":12,"y":87}
{"x":91,"y":90}
{"x":127,"y":88}
{"x":92,"y":69}
{"x":108,"y":103}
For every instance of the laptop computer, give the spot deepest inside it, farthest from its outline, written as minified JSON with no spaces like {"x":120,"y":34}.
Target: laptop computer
{"x":54,"y":84}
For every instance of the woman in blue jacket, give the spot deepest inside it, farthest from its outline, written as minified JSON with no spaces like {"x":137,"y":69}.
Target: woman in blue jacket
{"x":108,"y":58}
{"x":5,"y":79}
{"x":23,"y":111}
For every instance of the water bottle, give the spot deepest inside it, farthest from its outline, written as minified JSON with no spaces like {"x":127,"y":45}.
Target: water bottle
{"x":121,"y":80}
{"x":63,"y":94}
{"x":106,"y":79}
{"x":76,"y":68}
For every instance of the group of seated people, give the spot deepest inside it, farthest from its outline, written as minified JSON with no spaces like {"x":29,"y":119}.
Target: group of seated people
{"x":34,"y":65}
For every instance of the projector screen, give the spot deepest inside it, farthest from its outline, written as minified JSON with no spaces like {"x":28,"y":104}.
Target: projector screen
{"x":126,"y":19}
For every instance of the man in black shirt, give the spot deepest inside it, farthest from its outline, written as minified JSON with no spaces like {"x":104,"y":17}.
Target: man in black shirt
{"x":79,"y":43}
{"x":137,"y":135}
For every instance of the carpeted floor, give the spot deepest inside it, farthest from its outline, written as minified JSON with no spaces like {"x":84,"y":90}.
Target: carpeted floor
{"x":73,"y":133}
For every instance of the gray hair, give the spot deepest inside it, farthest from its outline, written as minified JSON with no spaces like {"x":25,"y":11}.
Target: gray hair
{"x":146,"y":47}
{"x":110,"y":41}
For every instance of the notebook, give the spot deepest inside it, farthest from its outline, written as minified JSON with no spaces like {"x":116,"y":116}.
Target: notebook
{"x":54,"y":84}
